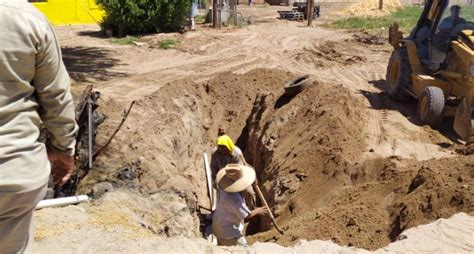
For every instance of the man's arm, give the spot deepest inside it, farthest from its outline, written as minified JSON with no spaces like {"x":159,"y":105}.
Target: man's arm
{"x":255,"y":212}
{"x":53,"y":93}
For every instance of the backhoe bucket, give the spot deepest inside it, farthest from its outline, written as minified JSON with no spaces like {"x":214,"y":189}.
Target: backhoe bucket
{"x":394,"y":35}
{"x":462,"y":119}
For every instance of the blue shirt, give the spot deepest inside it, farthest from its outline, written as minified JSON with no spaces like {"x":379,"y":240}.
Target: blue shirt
{"x":228,"y":218}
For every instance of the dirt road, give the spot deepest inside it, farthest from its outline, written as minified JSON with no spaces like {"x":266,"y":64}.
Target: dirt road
{"x":342,"y":145}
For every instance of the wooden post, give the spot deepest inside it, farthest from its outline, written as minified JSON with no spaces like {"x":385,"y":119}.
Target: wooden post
{"x":214,"y":13}
{"x":219,"y":14}
{"x":309,"y":11}
{"x":380,"y":4}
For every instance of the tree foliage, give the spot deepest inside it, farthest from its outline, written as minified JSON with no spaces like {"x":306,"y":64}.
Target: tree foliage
{"x":144,"y":16}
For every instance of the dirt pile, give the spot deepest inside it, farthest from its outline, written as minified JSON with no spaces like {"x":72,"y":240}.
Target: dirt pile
{"x":307,"y":153}
{"x":371,"y":8}
{"x":380,"y":200}
{"x":439,"y":189}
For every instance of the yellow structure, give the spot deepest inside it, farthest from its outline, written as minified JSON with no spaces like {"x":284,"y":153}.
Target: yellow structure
{"x":69,"y":12}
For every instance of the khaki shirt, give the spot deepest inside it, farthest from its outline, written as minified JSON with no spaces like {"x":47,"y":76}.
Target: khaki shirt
{"x":34,"y":90}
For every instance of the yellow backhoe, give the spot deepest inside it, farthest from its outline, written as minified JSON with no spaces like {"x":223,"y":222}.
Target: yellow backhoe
{"x":435,"y":64}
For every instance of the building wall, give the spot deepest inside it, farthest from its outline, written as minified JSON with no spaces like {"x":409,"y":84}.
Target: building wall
{"x":69,"y":12}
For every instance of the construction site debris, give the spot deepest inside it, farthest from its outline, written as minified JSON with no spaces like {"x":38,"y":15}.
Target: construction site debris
{"x":369,"y":39}
{"x":299,"y":12}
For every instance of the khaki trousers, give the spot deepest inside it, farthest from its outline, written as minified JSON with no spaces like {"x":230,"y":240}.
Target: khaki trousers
{"x":16,"y":220}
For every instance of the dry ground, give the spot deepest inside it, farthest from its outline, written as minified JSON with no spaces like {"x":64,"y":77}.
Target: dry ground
{"x":341,"y":161}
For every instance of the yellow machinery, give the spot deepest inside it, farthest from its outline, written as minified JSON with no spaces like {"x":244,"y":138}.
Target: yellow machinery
{"x":435,"y":64}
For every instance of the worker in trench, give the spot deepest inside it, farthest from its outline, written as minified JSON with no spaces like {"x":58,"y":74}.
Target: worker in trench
{"x":34,"y":89}
{"x":231,"y":211}
{"x":228,"y":153}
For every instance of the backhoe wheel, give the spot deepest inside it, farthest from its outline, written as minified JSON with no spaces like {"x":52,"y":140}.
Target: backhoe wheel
{"x":398,"y":77}
{"x":431,"y":106}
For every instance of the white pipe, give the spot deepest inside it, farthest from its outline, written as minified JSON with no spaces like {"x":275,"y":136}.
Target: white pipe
{"x":61,"y":201}
{"x":209,"y":180}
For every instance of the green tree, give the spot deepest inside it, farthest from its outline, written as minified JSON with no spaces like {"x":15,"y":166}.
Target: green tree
{"x":128,"y":17}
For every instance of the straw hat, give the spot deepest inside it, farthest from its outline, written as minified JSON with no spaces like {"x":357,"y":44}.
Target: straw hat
{"x":235,"y":177}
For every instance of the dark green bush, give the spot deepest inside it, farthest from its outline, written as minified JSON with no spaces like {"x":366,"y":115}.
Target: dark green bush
{"x":144,"y":16}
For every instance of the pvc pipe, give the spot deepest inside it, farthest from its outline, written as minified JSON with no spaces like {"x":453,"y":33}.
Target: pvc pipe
{"x":61,"y":201}
{"x":209,"y":181}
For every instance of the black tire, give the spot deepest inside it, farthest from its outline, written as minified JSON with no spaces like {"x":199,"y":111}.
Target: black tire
{"x":431,"y":106}
{"x":296,"y":85}
{"x":398,"y":77}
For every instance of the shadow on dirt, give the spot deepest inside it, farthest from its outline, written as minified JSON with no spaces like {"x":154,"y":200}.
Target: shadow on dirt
{"x":381,"y":101}
{"x":283,"y":100}
{"x":93,"y":34}
{"x":86,"y":64}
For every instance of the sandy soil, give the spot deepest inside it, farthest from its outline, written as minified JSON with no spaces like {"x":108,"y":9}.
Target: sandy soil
{"x":340,"y":161}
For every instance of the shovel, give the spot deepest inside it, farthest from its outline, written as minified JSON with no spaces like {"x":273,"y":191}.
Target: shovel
{"x":260,"y":195}
{"x":262,"y":198}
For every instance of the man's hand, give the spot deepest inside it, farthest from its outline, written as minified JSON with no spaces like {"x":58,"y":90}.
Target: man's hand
{"x":62,"y":166}
{"x":261,"y":210}
{"x":257,"y":211}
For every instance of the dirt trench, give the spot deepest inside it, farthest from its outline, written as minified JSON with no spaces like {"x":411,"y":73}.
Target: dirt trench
{"x":307,"y":151}
{"x":159,"y":151}
{"x":308,"y":154}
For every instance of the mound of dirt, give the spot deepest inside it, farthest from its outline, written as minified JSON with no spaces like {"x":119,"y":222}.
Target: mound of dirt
{"x":307,"y":153}
{"x":371,"y":8}
{"x":441,"y":236}
{"x":380,"y":200}
{"x":439,"y":189}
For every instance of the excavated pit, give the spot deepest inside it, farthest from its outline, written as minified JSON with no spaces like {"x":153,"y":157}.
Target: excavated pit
{"x":307,"y":151}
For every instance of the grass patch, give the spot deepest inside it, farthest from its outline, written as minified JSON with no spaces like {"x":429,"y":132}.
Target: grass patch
{"x":200,"y":18}
{"x":467,"y":12}
{"x":125,"y":40}
{"x":168,"y":43}
{"x":406,"y":18}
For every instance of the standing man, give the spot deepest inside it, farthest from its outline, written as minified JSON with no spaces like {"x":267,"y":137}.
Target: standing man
{"x":231,"y":211}
{"x":34,"y":90}
{"x":225,"y":153}
{"x":228,"y":153}
{"x":192,"y":14}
